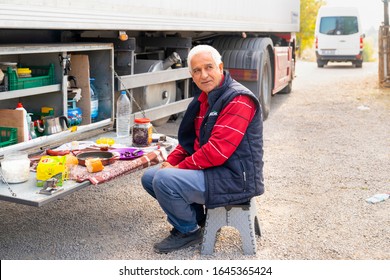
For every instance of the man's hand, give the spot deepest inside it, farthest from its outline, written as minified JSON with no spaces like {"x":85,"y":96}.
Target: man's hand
{"x":166,"y":164}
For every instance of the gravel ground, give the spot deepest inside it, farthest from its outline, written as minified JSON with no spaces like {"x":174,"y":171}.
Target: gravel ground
{"x":327,"y":149}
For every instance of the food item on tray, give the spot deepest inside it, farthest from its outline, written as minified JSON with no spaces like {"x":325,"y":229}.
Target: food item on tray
{"x":51,"y":168}
{"x":71,"y":160}
{"x":105,"y":141}
{"x":128,"y":153}
{"x":94,"y":165}
{"x":142,"y":132}
{"x":57,"y":152}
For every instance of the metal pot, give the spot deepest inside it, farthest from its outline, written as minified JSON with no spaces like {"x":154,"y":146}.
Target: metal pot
{"x":53,"y":125}
{"x":106,"y":157}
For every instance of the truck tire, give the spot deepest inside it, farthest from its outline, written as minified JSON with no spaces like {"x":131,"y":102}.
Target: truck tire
{"x":251,"y":54}
{"x":265,"y":85}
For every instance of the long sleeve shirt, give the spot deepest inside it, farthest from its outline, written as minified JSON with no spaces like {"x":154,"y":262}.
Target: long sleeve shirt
{"x":226,"y":135}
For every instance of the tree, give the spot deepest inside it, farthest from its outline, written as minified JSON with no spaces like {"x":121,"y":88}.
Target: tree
{"x":308,"y":15}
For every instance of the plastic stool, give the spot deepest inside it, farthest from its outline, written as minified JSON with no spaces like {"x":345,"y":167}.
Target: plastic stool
{"x":241,"y":216}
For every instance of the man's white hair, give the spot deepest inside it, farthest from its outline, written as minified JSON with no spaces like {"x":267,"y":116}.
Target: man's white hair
{"x":204,"y":48}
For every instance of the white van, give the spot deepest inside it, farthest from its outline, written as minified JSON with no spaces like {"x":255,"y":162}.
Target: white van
{"x":338,"y":36}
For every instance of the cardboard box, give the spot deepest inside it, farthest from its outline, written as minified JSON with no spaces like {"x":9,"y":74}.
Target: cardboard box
{"x":80,"y":70}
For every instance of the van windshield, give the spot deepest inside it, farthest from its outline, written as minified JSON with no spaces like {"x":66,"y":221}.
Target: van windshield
{"x":339,"y":25}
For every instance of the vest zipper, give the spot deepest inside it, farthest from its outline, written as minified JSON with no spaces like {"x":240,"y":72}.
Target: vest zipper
{"x":243,"y":174}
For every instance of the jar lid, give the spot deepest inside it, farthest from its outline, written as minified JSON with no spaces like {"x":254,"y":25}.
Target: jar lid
{"x":15,"y":155}
{"x":142,"y":120}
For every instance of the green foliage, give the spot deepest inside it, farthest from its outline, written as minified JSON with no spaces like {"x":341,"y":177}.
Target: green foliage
{"x":308,"y":14}
{"x":368,"y":50}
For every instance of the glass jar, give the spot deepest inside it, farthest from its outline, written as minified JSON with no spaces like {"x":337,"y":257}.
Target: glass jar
{"x":142,"y":132}
{"x":16,"y":167}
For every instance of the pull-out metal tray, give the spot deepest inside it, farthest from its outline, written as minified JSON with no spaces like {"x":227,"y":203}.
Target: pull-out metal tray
{"x":28,"y":193}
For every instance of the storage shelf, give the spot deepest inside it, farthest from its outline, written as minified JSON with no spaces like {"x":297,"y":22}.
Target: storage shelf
{"x":29,"y":91}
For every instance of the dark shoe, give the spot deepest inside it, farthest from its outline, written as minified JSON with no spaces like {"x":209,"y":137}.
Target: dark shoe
{"x":177,"y":240}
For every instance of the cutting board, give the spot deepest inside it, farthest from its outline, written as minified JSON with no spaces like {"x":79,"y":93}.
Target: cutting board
{"x":13,"y":118}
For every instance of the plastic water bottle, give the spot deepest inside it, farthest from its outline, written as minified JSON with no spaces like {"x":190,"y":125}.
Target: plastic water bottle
{"x":94,"y":101}
{"x":123,"y":111}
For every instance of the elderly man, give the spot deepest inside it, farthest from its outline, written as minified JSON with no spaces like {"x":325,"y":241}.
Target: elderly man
{"x":219,"y":159}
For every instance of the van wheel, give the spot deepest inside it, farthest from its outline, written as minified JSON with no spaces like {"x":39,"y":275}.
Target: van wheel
{"x":359,"y":64}
{"x":321,"y":63}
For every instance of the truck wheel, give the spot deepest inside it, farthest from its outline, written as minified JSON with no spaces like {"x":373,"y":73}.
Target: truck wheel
{"x":251,"y":54}
{"x":154,"y":95}
{"x":265,"y":83}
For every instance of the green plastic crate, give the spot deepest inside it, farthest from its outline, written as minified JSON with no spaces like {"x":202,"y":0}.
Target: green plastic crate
{"x":8,"y":136}
{"x":41,"y":76}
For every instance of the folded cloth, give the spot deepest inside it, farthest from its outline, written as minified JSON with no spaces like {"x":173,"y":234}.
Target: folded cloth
{"x":80,"y":173}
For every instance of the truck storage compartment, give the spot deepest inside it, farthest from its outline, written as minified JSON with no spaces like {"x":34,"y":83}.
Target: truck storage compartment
{"x":45,"y":95}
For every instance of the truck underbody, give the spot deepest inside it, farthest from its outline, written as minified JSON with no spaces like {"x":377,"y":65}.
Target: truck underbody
{"x":141,"y":49}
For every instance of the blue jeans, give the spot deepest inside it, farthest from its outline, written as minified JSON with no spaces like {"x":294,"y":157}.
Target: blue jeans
{"x":180,"y":193}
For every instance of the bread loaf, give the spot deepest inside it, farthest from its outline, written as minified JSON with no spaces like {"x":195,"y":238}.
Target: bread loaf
{"x":94,"y":165}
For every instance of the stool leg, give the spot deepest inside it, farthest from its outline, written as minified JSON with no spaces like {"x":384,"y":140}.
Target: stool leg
{"x":257,"y":226}
{"x":255,"y":217}
{"x":216,"y":218}
{"x":242,"y":220}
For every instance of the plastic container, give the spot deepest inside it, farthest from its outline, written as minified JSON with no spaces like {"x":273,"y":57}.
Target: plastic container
{"x":94,"y":100}
{"x":142,"y":132}
{"x":16,"y":167}
{"x":8,"y":136}
{"x":41,"y":76}
{"x":26,"y":132}
{"x":123,"y":111}
{"x":75,"y":115}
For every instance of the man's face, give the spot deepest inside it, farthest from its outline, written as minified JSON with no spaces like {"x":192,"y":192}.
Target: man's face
{"x":206,"y":75}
